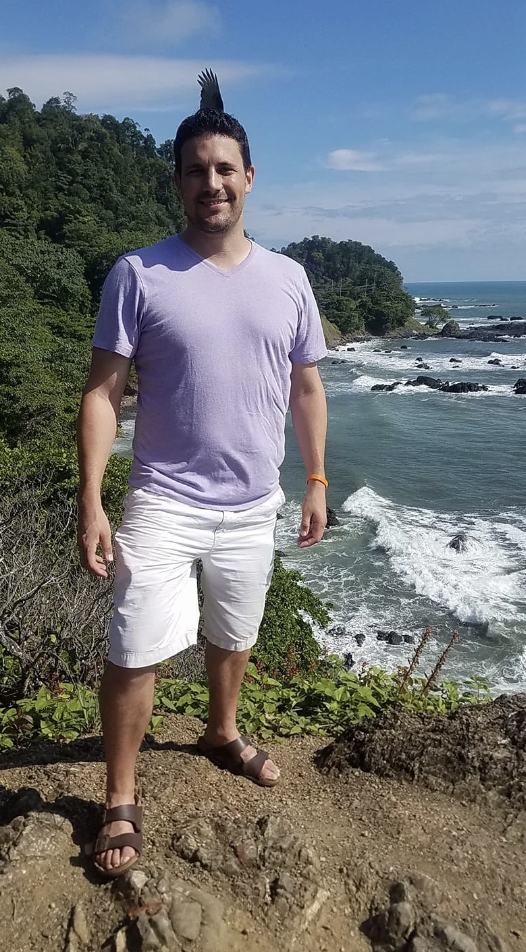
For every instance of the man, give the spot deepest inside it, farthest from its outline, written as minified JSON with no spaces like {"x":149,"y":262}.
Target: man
{"x":222,"y":332}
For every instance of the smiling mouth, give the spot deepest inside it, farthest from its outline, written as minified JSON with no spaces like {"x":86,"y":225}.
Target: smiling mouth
{"x":214,"y":204}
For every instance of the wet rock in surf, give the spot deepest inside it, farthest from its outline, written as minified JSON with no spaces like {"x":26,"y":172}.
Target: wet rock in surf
{"x":386,"y":387}
{"x":332,"y":518}
{"x":463,"y":387}
{"x":458,"y":542}
{"x":434,"y":383}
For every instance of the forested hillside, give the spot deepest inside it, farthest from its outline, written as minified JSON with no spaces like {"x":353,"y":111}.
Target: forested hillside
{"x":356,"y":288}
{"x":75,"y":193}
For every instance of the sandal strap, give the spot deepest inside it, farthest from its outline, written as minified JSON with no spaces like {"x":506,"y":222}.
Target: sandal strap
{"x":105,"y":842}
{"x":126,"y":811}
{"x":233,"y":749}
{"x":229,"y":756}
{"x":254,"y":766}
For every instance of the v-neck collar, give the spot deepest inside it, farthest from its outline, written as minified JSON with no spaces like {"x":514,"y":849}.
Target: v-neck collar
{"x":214,"y":267}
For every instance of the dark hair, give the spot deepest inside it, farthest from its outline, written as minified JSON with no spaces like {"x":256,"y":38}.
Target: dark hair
{"x":210,"y":122}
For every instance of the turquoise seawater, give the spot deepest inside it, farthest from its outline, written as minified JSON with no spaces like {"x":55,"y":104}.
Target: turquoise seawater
{"x":410,"y":469}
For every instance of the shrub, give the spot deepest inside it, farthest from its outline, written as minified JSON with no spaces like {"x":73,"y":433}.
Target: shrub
{"x":286,"y":645}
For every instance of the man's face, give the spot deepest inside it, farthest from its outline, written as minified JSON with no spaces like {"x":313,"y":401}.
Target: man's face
{"x":213,"y":183}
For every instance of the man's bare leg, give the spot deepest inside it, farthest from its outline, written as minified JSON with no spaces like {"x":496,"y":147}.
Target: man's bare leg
{"x":226,"y":670}
{"x":126,"y":702}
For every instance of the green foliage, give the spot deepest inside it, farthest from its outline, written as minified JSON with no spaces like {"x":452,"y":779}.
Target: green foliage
{"x":356,"y":288}
{"x":286,"y":645}
{"x":435,"y":315}
{"x":75,"y":193}
{"x":62,"y":713}
{"x":51,"y":466}
{"x":267,"y":708}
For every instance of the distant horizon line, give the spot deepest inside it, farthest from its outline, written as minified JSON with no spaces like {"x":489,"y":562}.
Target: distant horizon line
{"x":471,"y":281}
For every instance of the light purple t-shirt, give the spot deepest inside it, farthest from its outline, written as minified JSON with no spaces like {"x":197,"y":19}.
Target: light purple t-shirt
{"x":213,"y":351}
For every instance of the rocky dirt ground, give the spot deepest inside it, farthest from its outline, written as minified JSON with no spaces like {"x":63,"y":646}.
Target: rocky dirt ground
{"x":336,"y":861}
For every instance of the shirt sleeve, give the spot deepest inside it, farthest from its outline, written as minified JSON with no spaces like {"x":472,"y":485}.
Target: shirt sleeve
{"x":120,"y":312}
{"x":309,"y":346}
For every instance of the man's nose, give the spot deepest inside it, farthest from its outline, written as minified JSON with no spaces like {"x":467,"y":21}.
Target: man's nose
{"x":213,"y":180}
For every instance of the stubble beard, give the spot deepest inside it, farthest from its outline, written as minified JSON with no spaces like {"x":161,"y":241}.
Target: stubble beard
{"x":217,"y":226}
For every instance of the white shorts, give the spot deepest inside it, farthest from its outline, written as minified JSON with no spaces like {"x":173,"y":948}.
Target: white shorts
{"x":156,"y":606}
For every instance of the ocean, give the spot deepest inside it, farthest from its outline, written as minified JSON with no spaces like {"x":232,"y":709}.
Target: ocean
{"x":408,"y":470}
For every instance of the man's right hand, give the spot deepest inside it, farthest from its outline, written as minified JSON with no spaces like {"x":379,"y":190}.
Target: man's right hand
{"x":94,"y":531}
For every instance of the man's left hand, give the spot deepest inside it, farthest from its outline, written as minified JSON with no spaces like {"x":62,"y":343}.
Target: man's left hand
{"x":314,"y":515}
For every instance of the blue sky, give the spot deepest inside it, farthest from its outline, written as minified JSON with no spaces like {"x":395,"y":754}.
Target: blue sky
{"x":398,"y":123}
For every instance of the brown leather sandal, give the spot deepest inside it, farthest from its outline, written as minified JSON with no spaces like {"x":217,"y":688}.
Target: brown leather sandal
{"x":228,"y":757}
{"x":130,"y":812}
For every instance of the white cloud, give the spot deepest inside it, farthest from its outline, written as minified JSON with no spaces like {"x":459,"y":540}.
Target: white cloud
{"x":163,"y":24}
{"x":349,"y":160}
{"x":520,"y":127}
{"x":463,"y":196}
{"x":452,"y":109}
{"x":104,"y":82}
{"x":507,"y":108}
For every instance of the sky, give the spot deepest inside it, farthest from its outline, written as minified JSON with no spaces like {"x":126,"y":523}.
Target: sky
{"x":397,"y":123}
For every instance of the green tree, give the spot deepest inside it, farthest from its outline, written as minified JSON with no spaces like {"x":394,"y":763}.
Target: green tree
{"x":356,"y":288}
{"x":435,"y":314}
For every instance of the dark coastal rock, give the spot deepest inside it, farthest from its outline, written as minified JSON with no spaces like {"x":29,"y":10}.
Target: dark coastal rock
{"x":332,"y":519}
{"x":463,"y":387}
{"x":351,"y":348}
{"x":409,"y":640}
{"x":394,"y":638}
{"x":404,"y":347}
{"x":496,"y":361}
{"x":348,"y":661}
{"x":493,"y":334}
{"x":458,"y":542}
{"x":421,"y":381}
{"x":387,"y":386}
{"x":390,"y":637}
{"x":359,"y":639}
{"x":338,"y":361}
{"x":520,"y":386}
{"x":450,"y":329}
{"x":338,"y":631}
{"x":454,"y":360}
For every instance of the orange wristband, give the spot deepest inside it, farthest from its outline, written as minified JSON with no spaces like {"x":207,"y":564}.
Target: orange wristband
{"x":320,"y":479}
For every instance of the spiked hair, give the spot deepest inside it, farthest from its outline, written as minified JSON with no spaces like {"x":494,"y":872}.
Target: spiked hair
{"x":211,"y":120}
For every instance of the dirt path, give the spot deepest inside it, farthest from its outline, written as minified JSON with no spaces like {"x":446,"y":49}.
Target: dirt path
{"x":349,"y":838}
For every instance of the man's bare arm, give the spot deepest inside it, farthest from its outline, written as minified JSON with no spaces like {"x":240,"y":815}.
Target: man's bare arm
{"x":96,"y":428}
{"x":309,"y":417}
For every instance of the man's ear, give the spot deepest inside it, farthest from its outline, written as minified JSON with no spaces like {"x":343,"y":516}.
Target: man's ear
{"x":249,"y":179}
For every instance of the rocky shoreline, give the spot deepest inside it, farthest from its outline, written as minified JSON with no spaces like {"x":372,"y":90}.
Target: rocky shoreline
{"x":496,"y":333}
